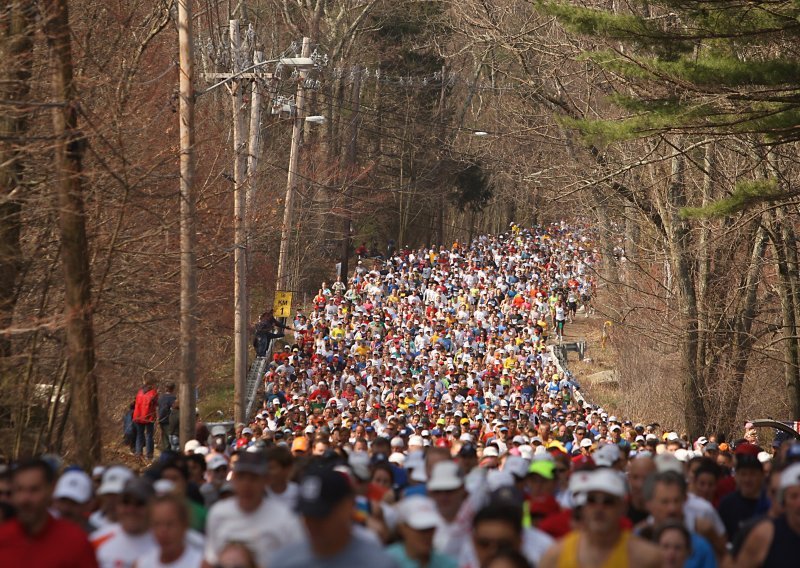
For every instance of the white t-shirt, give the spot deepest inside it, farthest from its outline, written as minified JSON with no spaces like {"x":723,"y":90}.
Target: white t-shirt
{"x":265,"y":530}
{"x":117,"y":549}
{"x":191,"y":558}
{"x":288,"y":497}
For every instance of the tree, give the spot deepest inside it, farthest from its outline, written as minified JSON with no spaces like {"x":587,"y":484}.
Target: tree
{"x":68,"y":158}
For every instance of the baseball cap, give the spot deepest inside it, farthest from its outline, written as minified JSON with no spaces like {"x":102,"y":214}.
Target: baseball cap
{"x":445,"y":477}
{"x":215,"y":462}
{"x":602,"y":480}
{"x":606,"y":455}
{"x":543,"y":468}
{"x":75,"y":485}
{"x":321,"y":491}
{"x":114,"y":480}
{"x":359,"y":464}
{"x":711,"y":446}
{"x":418,"y":512}
{"x":251,"y":462}
{"x":790,"y":477}
{"x":586,"y":443}
{"x":218,"y":431}
{"x":139,"y":488}
{"x":191,"y":446}
{"x":300,"y":445}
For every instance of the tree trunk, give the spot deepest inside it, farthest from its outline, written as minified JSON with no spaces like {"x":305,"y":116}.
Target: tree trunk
{"x":15,"y":72}
{"x":680,"y":259}
{"x":68,"y":155}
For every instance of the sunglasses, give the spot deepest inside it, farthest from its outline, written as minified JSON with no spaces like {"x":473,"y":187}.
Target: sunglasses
{"x":133,"y":502}
{"x":601,"y":499}
{"x":498,"y":543}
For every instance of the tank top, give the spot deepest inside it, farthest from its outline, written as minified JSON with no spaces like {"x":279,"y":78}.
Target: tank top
{"x":784,"y":547}
{"x":617,"y":559}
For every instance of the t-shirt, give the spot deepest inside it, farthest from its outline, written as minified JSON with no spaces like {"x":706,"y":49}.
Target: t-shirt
{"x":265,"y":530}
{"x":288,"y":497}
{"x":191,"y":558}
{"x":117,"y":549}
{"x":437,"y":560}
{"x":60,"y":544}
{"x":736,"y":510}
{"x":359,"y":552}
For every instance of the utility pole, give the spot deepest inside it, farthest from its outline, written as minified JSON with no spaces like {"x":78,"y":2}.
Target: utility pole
{"x":291,"y":180}
{"x":350,"y":164}
{"x":254,"y":144}
{"x":240,"y":311}
{"x":188,"y":335}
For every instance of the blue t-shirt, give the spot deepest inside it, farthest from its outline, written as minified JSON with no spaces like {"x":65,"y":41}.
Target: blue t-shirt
{"x":702,"y":554}
{"x":437,"y":560}
{"x":359,"y":552}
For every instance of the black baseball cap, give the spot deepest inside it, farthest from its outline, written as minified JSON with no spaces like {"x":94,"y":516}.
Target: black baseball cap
{"x":321,"y":491}
{"x":251,"y":462}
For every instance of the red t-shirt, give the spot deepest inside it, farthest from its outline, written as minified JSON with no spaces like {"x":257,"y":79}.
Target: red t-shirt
{"x":60,"y":544}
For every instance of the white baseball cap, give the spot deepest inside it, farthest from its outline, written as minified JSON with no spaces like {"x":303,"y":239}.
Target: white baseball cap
{"x":191,"y":446}
{"x":602,"y":480}
{"x":419,"y":512}
{"x":75,"y":485}
{"x":114,"y":480}
{"x":445,"y":477}
{"x":790,"y":477}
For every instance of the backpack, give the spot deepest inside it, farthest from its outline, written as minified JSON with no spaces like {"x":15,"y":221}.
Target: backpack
{"x":144,"y":411}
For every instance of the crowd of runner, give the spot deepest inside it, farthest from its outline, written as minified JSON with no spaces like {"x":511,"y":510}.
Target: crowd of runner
{"x":417,"y":417}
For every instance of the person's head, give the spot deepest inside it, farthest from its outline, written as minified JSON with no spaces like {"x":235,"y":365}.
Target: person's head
{"x":132,"y":509}
{"x":250,"y":478}
{"x":236,"y":555}
{"x":601,"y":495}
{"x":446,"y":488}
{"x":703,"y":479}
{"x":675,"y":543}
{"x":280,"y":465}
{"x":32,"y":485}
{"x":417,"y":522}
{"x":541,"y":478}
{"x":383,"y":475}
{"x":326,"y":504}
{"x":665,"y":495}
{"x":749,"y":476}
{"x":72,"y":497}
{"x":176,"y":471}
{"x":169,"y":521}
{"x":638,"y":470}
{"x":197,"y":468}
{"x":496,"y":527}
{"x":789,"y":494}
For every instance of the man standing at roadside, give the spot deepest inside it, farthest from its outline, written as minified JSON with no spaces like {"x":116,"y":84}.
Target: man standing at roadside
{"x":145,"y":410}
{"x":165,"y":403}
{"x":35,"y":538}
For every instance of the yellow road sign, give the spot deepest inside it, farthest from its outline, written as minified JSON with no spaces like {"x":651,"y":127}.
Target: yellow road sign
{"x":283,"y":304}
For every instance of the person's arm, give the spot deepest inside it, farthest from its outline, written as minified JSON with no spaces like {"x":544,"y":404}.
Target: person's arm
{"x":756,"y":546}
{"x":550,"y":558}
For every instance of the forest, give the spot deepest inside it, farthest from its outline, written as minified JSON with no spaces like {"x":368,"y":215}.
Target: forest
{"x":671,"y":126}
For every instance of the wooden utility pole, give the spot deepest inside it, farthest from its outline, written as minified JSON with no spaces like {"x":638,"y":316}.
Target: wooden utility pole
{"x":68,"y":150}
{"x":254,"y":144}
{"x":291,"y":181}
{"x":350,"y":165}
{"x":188,"y":334}
{"x":240,"y":311}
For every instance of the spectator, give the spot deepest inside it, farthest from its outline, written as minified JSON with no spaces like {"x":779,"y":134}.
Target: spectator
{"x":165,"y":405}
{"x":145,"y":412}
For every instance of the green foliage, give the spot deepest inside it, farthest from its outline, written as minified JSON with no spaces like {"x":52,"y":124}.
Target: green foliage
{"x":746,"y":195}
{"x":722,"y":67}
